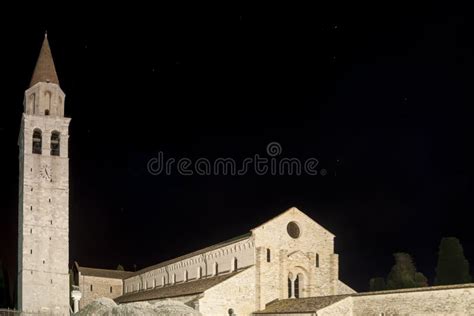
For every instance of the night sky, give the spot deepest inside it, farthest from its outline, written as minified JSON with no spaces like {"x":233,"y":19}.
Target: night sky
{"x":381,"y":95}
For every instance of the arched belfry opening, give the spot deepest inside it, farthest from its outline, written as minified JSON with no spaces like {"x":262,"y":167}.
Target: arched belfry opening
{"x":37,"y":142}
{"x":55,"y":143}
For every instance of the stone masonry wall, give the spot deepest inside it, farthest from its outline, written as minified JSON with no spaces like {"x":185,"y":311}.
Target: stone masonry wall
{"x":101,"y":287}
{"x":237,"y":292}
{"x":342,"y":308}
{"x":430,"y":301}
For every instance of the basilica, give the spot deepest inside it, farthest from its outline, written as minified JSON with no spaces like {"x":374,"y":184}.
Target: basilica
{"x":285,"y":266}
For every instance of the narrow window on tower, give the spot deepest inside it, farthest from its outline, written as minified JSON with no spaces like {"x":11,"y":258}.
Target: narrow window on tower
{"x":48,"y":95}
{"x":31,"y":251}
{"x":33,"y":103}
{"x":268,"y":255}
{"x":91,"y":288}
{"x":110,"y":289}
{"x":317,"y":260}
{"x":55,"y":142}
{"x":37,"y":141}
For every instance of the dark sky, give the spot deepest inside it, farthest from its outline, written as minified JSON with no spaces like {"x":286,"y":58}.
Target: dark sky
{"x":381,"y":95}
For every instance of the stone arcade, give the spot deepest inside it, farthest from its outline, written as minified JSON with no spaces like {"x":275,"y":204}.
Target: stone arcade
{"x":285,"y":266}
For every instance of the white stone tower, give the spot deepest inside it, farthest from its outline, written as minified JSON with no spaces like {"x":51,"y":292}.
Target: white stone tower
{"x":43,"y":234}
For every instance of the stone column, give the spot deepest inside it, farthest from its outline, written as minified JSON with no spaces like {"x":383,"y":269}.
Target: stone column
{"x":76,"y":296}
{"x":293,"y":278}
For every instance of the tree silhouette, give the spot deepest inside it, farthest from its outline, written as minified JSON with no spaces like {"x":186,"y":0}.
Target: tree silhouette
{"x":404,"y":274}
{"x":453,"y":267}
{"x":377,"y":284}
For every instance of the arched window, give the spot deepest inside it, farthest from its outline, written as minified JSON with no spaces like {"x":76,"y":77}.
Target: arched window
{"x":317,"y":260}
{"x":163,"y":281}
{"x":55,"y":143}
{"x":37,"y":141}
{"x":234,"y":264}
{"x":48,"y":98}
{"x":185,"y":277}
{"x":297,"y":286}
{"x":199,"y":272}
{"x":289,"y":287}
{"x":268,"y":255}
{"x":216,"y":268}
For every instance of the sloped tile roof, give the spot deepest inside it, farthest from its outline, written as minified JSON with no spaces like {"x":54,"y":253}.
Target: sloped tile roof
{"x":301,"y":305}
{"x":194,"y":253}
{"x":179,"y":289}
{"x":103,"y":273}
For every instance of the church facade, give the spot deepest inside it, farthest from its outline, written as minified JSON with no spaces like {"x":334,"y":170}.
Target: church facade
{"x":285,"y":266}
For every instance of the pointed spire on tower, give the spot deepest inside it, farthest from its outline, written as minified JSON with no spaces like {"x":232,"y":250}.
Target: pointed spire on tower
{"x":44,"y":69}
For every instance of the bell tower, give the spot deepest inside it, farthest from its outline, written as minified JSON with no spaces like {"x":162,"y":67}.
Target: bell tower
{"x":43,"y":234}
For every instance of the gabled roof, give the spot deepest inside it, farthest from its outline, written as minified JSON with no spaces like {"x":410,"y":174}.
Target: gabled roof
{"x":103,"y":273}
{"x":298,"y":211}
{"x":44,"y":69}
{"x":176,"y":290}
{"x":301,"y":305}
